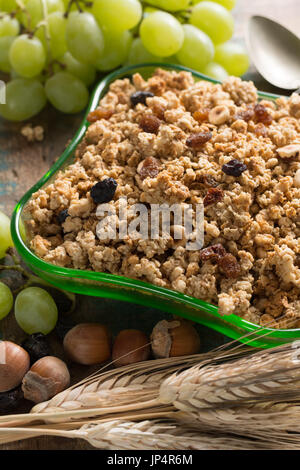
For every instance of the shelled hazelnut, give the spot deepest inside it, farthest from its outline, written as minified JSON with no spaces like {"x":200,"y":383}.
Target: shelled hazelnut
{"x":174,"y":338}
{"x":88,"y":343}
{"x":130,"y":346}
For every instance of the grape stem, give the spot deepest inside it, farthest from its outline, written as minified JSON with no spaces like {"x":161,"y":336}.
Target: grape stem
{"x":174,"y":13}
{"x":23,"y":9}
{"x":31,"y":279}
{"x":86,"y":3}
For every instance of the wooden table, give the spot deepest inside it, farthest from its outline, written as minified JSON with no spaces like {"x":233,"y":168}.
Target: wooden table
{"x":22,"y":164}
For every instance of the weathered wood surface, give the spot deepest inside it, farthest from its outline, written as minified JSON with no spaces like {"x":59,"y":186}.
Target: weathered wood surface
{"x":22,"y":164}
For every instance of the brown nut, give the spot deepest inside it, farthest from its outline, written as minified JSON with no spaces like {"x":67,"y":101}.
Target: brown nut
{"x":289,"y":151}
{"x":47,"y":377}
{"x":219,"y":115}
{"x":88,"y":343}
{"x":174,"y":338}
{"x":14,"y":363}
{"x":130,"y":346}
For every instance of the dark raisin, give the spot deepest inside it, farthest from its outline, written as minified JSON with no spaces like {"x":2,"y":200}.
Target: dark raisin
{"x":213,"y":252}
{"x":150,"y":123}
{"x":201,"y":115}
{"x":62,"y":216}
{"x":196,"y":141}
{"x":37,"y":347}
{"x":245,"y":115}
{"x":229,"y":265}
{"x":63,"y":325}
{"x":99,"y":113}
{"x":140,"y":97}
{"x":104,"y":191}
{"x":234,"y":167}
{"x":9,"y":401}
{"x":213,"y":196}
{"x":149,"y":167}
{"x":262,"y":114}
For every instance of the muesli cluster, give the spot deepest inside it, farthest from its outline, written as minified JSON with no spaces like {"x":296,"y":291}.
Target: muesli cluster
{"x":172,"y":140}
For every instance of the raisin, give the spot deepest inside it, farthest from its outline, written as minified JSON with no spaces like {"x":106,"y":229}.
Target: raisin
{"x":213,"y":252}
{"x":62,"y":216}
{"x":195,"y":141}
{"x":201,"y":115}
{"x":149,"y":167}
{"x":104,"y":191}
{"x":245,"y":115}
{"x":234,"y":167}
{"x":9,"y":401}
{"x":37,"y":346}
{"x":262,"y":115}
{"x":150,"y":123}
{"x":99,"y":113}
{"x":229,"y":265}
{"x":260,"y":129}
{"x":140,"y":97}
{"x":213,"y":196}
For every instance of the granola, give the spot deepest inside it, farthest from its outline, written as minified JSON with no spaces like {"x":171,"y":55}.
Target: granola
{"x":170,"y":139}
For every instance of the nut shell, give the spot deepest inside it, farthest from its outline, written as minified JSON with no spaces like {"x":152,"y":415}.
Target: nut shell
{"x":174,"y":338}
{"x":14,"y":363}
{"x":130,"y":346}
{"x":88,"y":343}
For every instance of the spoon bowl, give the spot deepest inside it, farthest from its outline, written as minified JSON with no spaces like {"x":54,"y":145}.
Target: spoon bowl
{"x":275,"y":52}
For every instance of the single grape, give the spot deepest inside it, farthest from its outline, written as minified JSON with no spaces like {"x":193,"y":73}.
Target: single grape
{"x":170,"y":5}
{"x":66,"y":93}
{"x":34,"y":11}
{"x":116,"y":48}
{"x":35,"y":311}
{"x":9,"y":26}
{"x":27,"y":56}
{"x":197,"y":49}
{"x":84,"y":37}
{"x":216,"y":71}
{"x":6,"y":300}
{"x":214,"y":20}
{"x":117,"y":15}
{"x":229,"y":4}
{"x":5,"y":236}
{"x":85,"y":72}
{"x":57,"y":30}
{"x":8,"y":5}
{"x":5,"y":43}
{"x":233,"y":57}
{"x":138,"y":54}
{"x":161,"y":34}
{"x":24,"y":98}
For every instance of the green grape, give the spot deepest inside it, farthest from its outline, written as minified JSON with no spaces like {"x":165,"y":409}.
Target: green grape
{"x":161,"y":34}
{"x":138,"y":54}
{"x":8,"y":5}
{"x":24,"y":98}
{"x":233,"y":57}
{"x":6,"y":300}
{"x":216,"y":71}
{"x":170,"y":5}
{"x":5,"y":43}
{"x":5,"y":236}
{"x":116,"y":48}
{"x":27,"y":56}
{"x":84,"y":37}
{"x":197,"y":50}
{"x":229,"y":4}
{"x":9,"y":26}
{"x":214,"y":20}
{"x":35,"y":311}
{"x":34,"y":11}
{"x":117,"y":15}
{"x":66,"y":93}
{"x":85,"y":72}
{"x":57,"y":29}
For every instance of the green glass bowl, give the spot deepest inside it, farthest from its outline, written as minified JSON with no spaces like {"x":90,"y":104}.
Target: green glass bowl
{"x":130,"y":290}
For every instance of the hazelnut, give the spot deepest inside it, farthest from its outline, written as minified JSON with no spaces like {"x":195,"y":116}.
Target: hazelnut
{"x":130,"y":346}
{"x":174,"y":338}
{"x":88,"y":343}
{"x":219,"y":115}
{"x":14,"y":363}
{"x":47,"y":377}
{"x":289,"y":151}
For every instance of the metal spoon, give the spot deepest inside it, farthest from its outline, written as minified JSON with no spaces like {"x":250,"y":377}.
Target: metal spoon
{"x":275,"y":52}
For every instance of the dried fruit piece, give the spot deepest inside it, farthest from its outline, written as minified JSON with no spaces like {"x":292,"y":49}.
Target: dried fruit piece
{"x":219,"y":115}
{"x":245,"y":115}
{"x":229,"y":265}
{"x":213,"y":252}
{"x":150,"y":123}
{"x":99,"y":113}
{"x":104,"y":191}
{"x":148,"y":168}
{"x":262,"y":114}
{"x":213,"y":196}
{"x":196,"y":141}
{"x":140,"y":97}
{"x":234,"y":167}
{"x":10,"y":400}
{"x":201,"y":115}
{"x":37,"y":346}
{"x":62,"y":216}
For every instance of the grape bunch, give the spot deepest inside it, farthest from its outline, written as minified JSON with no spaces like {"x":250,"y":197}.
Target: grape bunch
{"x":53,"y":49}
